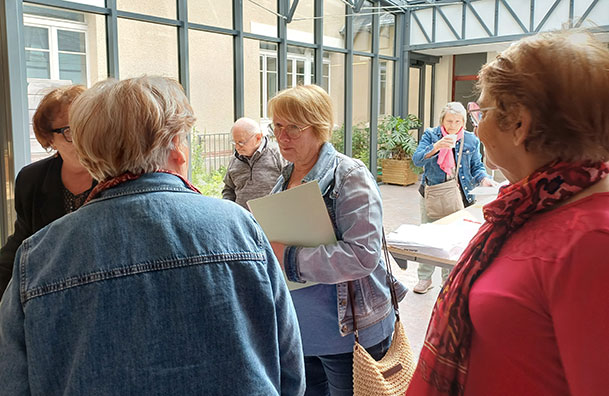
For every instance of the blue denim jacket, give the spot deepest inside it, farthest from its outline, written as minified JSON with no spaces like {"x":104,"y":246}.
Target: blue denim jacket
{"x":471,"y":172}
{"x":150,"y":289}
{"x":354,"y":203}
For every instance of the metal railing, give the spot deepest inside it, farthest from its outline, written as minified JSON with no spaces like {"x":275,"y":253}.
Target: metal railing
{"x":216,"y":150}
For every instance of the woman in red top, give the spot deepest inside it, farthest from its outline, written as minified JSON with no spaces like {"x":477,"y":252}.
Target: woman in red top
{"x":525,"y":310}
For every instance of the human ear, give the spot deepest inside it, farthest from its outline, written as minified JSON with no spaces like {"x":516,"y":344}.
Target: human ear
{"x":522,"y":126}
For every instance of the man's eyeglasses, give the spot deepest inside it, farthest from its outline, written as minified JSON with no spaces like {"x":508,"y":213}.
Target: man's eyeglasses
{"x":476,"y":113}
{"x":241,"y":144}
{"x":293,"y":131}
{"x":65,"y":131}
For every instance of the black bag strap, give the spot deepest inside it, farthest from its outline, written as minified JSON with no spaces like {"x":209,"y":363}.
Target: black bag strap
{"x":390,"y":280}
{"x":460,"y":155}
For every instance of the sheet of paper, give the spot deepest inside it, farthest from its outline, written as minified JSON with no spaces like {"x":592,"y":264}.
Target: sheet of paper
{"x":296,"y":217}
{"x":485,"y":190}
{"x":446,"y":241}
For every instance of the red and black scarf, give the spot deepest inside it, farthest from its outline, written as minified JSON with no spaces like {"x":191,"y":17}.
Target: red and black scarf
{"x":443,"y":363}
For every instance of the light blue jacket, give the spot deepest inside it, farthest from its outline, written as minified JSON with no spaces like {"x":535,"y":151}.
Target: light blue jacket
{"x":471,"y":172}
{"x":149,"y":289}
{"x":354,"y":203}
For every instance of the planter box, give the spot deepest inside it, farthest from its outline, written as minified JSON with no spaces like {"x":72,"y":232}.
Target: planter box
{"x":398,"y":172}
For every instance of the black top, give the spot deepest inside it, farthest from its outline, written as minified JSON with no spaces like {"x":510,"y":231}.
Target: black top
{"x":39,"y":199}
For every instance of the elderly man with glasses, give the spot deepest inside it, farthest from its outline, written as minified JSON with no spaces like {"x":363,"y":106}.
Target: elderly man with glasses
{"x":257,"y":163}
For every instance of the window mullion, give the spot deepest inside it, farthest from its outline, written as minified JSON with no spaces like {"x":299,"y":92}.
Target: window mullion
{"x":54,"y":53}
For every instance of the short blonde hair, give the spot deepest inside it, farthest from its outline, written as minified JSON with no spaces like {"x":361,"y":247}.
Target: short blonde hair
{"x":453,"y":108}
{"x":129,"y":125}
{"x":562,"y":78}
{"x":49,"y":108}
{"x":305,"y":105}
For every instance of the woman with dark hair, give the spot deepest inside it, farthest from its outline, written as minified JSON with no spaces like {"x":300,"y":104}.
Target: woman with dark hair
{"x":51,"y":187}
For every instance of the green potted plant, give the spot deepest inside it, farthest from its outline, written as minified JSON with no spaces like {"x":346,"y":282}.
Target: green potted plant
{"x":396,"y":146}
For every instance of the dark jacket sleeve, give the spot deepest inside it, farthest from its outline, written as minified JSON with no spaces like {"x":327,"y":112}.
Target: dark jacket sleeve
{"x":23,"y":229}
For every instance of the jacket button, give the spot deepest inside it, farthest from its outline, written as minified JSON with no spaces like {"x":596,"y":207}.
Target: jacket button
{"x":343,"y":303}
{"x":344,"y":328}
{"x":462,"y":177}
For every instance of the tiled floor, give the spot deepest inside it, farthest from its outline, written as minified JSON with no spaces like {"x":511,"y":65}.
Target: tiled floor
{"x":401,"y":206}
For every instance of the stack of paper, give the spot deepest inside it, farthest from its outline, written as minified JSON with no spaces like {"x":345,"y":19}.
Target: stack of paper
{"x":445,"y":241}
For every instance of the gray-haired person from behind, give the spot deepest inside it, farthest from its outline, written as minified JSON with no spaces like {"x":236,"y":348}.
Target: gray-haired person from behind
{"x":149,"y":288}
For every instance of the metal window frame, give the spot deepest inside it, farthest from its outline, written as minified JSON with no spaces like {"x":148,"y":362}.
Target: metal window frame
{"x":14,"y":125}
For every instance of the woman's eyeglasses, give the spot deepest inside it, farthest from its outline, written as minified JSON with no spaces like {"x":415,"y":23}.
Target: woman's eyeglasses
{"x":476,"y":113}
{"x":241,"y":144}
{"x":65,"y":131}
{"x":292,"y":131}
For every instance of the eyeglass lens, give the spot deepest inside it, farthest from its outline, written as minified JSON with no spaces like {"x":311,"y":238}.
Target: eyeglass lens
{"x":292,"y":131}
{"x":475,"y":114}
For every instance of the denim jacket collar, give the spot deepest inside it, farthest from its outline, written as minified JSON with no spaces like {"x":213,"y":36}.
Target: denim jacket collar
{"x":319,"y":172}
{"x":148,"y":182}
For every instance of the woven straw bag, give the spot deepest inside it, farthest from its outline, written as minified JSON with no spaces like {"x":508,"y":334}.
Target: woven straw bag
{"x":391,"y":375}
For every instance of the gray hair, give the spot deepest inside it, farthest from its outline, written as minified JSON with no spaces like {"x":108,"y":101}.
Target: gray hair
{"x":246,"y":124}
{"x":129,"y":125}
{"x":453,"y":108}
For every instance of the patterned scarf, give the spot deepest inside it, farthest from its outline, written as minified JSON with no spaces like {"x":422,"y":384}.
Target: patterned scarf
{"x":115,"y":181}
{"x":446,"y":158}
{"x":443,"y":363}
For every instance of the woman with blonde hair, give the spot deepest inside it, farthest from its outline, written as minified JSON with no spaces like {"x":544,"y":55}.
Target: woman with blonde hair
{"x":51,"y":187}
{"x":524,"y":312}
{"x":149,"y":288}
{"x":302,"y":124}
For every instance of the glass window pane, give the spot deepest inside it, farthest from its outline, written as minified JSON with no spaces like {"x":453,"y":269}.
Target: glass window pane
{"x":70,"y":41}
{"x":387,"y":36}
{"x":54,"y":13}
{"x":259,"y":18}
{"x":413,"y":92}
{"x":146,"y":48}
{"x":271,"y":64}
{"x":300,"y":67}
{"x":362,"y":28}
{"x":334,"y":23}
{"x":271,"y":87}
{"x":256,"y":79}
{"x":211,"y":12}
{"x":469,"y":64}
{"x":36,"y":37}
{"x":160,"y":8}
{"x":336,"y":84}
{"x":361,"y":108}
{"x":301,"y":27}
{"x":211,"y":96}
{"x":427,"y":121}
{"x":46,"y":70}
{"x":37,"y":64}
{"x":386,"y":88}
{"x":73,"y":67}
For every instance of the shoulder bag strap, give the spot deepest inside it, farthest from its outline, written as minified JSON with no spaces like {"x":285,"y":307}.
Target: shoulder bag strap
{"x":390,"y":281}
{"x":460,"y":155}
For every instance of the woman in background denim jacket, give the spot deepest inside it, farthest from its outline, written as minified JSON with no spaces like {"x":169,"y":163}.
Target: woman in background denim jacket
{"x":150,"y":288}
{"x":437,"y":153}
{"x":302,"y":123}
